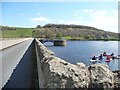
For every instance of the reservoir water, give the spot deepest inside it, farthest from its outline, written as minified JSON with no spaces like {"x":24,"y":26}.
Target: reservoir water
{"x":82,"y":51}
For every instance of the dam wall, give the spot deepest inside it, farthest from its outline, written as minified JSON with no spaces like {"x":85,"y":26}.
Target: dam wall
{"x":54,"y":72}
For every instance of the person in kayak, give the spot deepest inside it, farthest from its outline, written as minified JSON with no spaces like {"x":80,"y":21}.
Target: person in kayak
{"x":100,"y":57}
{"x":93,"y":58}
{"x":104,"y":54}
{"x":112,"y":55}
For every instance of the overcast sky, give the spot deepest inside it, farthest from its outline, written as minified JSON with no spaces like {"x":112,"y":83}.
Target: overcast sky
{"x":102,"y":15}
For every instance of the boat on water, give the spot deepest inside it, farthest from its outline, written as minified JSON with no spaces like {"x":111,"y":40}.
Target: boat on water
{"x":116,"y":57}
{"x":107,"y":58}
{"x":93,"y":60}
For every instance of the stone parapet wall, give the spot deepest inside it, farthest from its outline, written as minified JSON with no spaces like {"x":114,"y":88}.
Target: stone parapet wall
{"x":58,"y":73}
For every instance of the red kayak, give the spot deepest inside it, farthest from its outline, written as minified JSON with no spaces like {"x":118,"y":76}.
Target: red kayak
{"x":107,"y":60}
{"x":108,"y":56}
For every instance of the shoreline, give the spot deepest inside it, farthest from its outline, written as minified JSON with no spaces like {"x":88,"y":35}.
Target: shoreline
{"x":89,"y":40}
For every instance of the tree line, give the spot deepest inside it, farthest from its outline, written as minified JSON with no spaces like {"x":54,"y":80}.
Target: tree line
{"x":72,"y":31}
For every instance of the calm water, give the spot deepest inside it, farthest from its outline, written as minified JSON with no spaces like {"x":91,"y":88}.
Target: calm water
{"x":82,"y":51}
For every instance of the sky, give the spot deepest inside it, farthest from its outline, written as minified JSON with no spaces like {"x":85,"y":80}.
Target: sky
{"x":102,"y":15}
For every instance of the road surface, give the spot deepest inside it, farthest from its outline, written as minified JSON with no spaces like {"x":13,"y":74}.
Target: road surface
{"x":19,"y":55}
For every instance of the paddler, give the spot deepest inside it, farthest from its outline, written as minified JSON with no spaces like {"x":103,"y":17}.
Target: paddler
{"x":100,"y":57}
{"x":93,"y":58}
{"x":104,"y":54}
{"x":112,"y":55}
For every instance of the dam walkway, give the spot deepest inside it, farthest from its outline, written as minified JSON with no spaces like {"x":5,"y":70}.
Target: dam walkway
{"x":18,"y":64}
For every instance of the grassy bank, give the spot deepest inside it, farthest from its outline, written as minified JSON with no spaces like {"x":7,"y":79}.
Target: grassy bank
{"x":18,"y":33}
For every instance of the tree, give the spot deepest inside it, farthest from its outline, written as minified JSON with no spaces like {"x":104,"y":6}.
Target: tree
{"x":49,"y":33}
{"x":59,"y":36}
{"x":87,"y":37}
{"x":38,"y":26}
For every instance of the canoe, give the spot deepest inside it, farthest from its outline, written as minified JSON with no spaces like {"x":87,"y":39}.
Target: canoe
{"x":93,"y":60}
{"x":107,"y":60}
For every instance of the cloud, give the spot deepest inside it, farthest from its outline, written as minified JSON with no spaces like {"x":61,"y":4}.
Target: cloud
{"x":39,"y":19}
{"x":80,"y":11}
{"x":88,"y":11}
{"x":61,"y":21}
{"x":105,"y":20}
{"x":102,"y":19}
{"x":98,"y":14}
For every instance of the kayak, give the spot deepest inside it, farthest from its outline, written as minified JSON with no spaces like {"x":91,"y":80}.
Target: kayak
{"x":116,"y":57}
{"x":93,"y":60}
{"x":107,"y":60}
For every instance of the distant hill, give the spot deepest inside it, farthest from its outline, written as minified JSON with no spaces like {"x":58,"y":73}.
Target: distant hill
{"x":69,"y":26}
{"x":73,"y":32}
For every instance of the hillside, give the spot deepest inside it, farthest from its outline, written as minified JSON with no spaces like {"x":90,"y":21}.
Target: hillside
{"x":73,"y":32}
{"x":15,"y":32}
{"x":58,"y":31}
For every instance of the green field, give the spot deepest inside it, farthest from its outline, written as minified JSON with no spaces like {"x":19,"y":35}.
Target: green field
{"x":18,"y":33}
